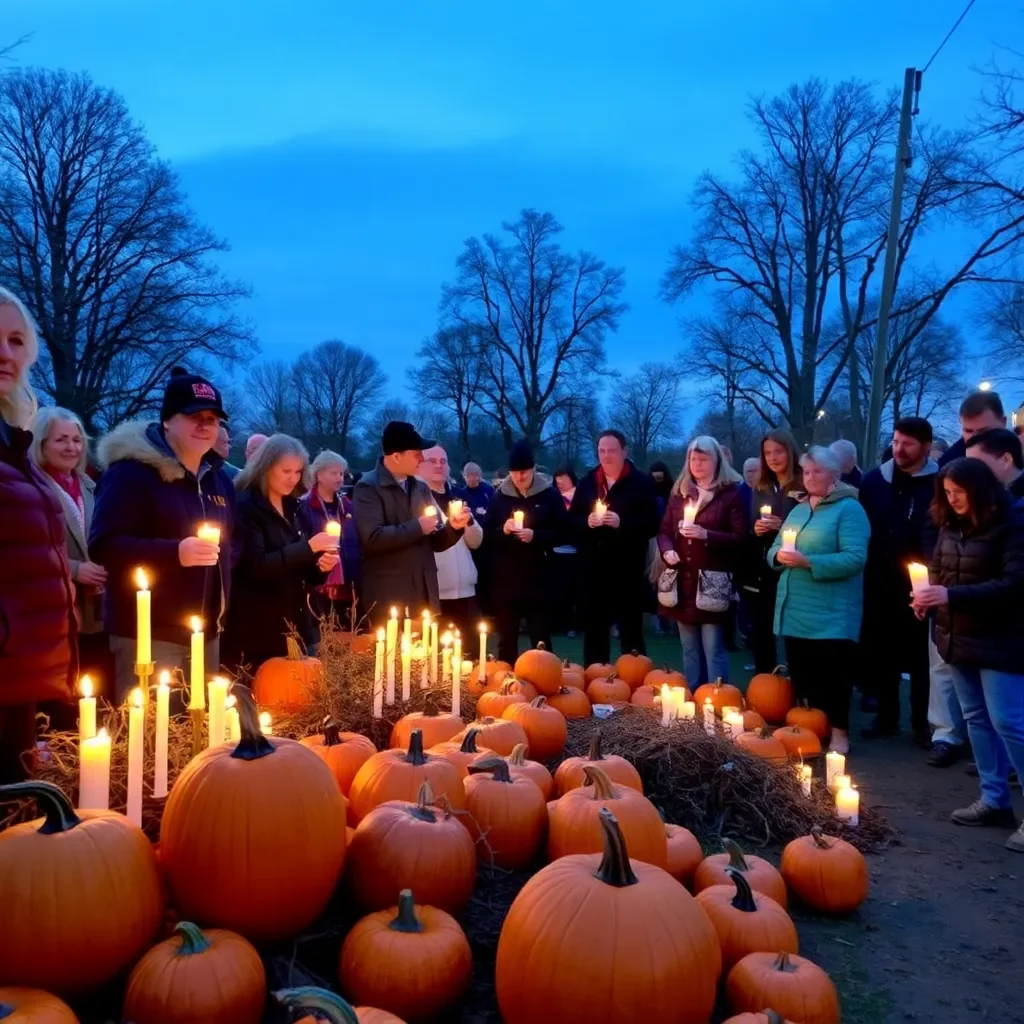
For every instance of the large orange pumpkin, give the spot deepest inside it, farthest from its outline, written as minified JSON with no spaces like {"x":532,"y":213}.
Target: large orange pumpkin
{"x":611,"y":907}
{"x":461,"y":752}
{"x":659,"y":677}
{"x":493,"y":676}
{"x":33,"y":1006}
{"x":760,"y":875}
{"x":283,"y":684}
{"x":643,"y":696}
{"x":572,"y":702}
{"x":80,"y":895}
{"x":789,"y":984}
{"x":435,"y":726}
{"x":573,"y":675}
{"x":752,"y":721}
{"x":599,"y":670}
{"x":545,"y":728}
{"x":401,"y":844}
{"x":343,"y":752}
{"x":609,"y":691}
{"x":570,"y":774}
{"x":197,"y":976}
{"x":721,"y":695}
{"x":798,"y":741}
{"x":825,"y":872}
{"x":767,"y":1017}
{"x":498,"y":734}
{"x":574,"y":821}
{"x":746,"y":921}
{"x":507,"y":814}
{"x":684,"y":853}
{"x":633,"y":668}
{"x":398,"y":775}
{"x":519,"y":764}
{"x":413,"y":961}
{"x":770,"y":694}
{"x":763,"y":744}
{"x":330,"y":1007}
{"x":227,"y":838}
{"x":806,"y":717}
{"x":541,"y":668}
{"x":493,"y":703}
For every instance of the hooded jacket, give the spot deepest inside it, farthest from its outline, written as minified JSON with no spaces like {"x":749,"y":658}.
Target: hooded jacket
{"x":146,"y":504}
{"x":456,"y":570}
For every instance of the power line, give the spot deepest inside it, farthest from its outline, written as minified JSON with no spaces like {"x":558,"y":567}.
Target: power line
{"x":949,"y":35}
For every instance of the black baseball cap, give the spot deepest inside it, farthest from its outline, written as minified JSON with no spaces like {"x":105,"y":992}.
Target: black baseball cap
{"x":188,"y":393}
{"x":399,"y":436}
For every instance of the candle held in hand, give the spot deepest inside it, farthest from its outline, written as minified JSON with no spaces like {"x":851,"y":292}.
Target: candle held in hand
{"x":918,"y":577}
{"x":789,"y":539}
{"x":209,"y":533}
{"x":518,"y":517}
{"x":144,"y":637}
{"x":600,"y":508}
{"x":333,"y":529}
{"x":86,"y":710}
{"x":455,"y":508}
{"x":689,"y":514}
{"x":430,"y":511}
{"x":766,"y":511}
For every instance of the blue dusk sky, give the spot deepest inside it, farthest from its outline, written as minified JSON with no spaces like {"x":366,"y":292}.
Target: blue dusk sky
{"x":346,"y":151}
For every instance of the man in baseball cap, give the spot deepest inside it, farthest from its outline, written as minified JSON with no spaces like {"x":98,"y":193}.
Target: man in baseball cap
{"x":188,"y":393}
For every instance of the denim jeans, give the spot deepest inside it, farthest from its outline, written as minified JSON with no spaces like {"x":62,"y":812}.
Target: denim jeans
{"x":710,"y":636}
{"x":944,"y":713}
{"x":993,"y":706}
{"x":165,"y":656}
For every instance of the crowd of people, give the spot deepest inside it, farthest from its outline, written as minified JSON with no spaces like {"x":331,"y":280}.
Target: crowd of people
{"x":804,"y":555}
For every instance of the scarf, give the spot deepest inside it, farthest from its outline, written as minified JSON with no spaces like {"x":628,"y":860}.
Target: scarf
{"x":72,"y":486}
{"x":602,"y":480}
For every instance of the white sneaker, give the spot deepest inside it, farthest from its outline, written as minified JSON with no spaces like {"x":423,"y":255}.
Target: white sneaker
{"x":840,"y":741}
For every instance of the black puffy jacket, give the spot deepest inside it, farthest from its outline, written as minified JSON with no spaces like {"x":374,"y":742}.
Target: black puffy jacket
{"x":983,"y":570}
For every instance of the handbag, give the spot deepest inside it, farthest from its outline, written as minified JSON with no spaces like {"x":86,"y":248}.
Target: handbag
{"x":714,"y":590}
{"x":668,"y":592}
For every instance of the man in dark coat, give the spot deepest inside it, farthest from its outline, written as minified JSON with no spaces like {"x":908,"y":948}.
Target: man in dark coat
{"x":397,"y":536}
{"x":980,"y":410}
{"x":521,"y":555}
{"x":1000,"y":449}
{"x":612,"y":546}
{"x":896,"y":497}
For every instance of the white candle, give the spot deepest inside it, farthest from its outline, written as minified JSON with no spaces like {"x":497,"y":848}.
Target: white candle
{"x":689,"y":513}
{"x":232,"y":723}
{"x":333,"y":529}
{"x":136,"y":740}
{"x":163,"y":706}
{"x":835,"y":765}
{"x":406,"y":669}
{"x":215,"y":719}
{"x":446,"y":658}
{"x":455,"y":508}
{"x":407,"y":630}
{"x":709,"y":717}
{"x":392,"y":644}
{"x":733,"y":721}
{"x":266,"y":724}
{"x":378,"y":676}
{"x":86,"y":710}
{"x":209,"y":533}
{"x":430,"y":511}
{"x":687,"y":710}
{"x":456,"y":694}
{"x":144,"y":640}
{"x":425,"y":663}
{"x":766,"y":511}
{"x":789,"y":539}
{"x":518,"y":517}
{"x":94,"y":773}
{"x":433,"y":652}
{"x":600,"y":508}
{"x":467,"y":667}
{"x":848,"y":805}
{"x":483,"y":650}
{"x":918,"y":577}
{"x":666,"y":704}
{"x":803,"y":773}
{"x":197,"y":669}
{"x":841,"y":782}
{"x":729,"y":709}
{"x":457,"y":658}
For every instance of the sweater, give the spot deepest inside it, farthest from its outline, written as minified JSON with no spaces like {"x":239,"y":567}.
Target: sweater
{"x":456,"y":570}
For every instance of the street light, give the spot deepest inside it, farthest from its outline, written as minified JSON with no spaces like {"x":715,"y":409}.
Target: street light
{"x":985,"y":385}
{"x":821,"y":414}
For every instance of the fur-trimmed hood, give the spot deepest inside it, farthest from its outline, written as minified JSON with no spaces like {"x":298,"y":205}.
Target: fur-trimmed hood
{"x":144,"y":442}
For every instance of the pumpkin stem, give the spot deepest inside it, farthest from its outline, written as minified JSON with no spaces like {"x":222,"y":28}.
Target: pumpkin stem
{"x":469,"y":741}
{"x":538,"y":702}
{"x":819,"y":838}
{"x":291,"y":644}
{"x":497,"y":766}
{"x":424,"y":798}
{"x":193,"y":940}
{"x":744,"y":898}
{"x":506,"y":686}
{"x":542,"y":646}
{"x":603,"y":788}
{"x":253,"y":745}
{"x":614,"y":868}
{"x":773,"y":1017}
{"x":6,"y":1010}
{"x":718,"y":683}
{"x":430,"y":706}
{"x":784,"y":964}
{"x":58,"y":814}
{"x":406,"y":921}
{"x":594,"y":753}
{"x":415,"y":754}
{"x":333,"y":1007}
{"x":518,"y":756}
{"x":736,"y":858}
{"x":331,"y":737}
{"x":781,"y":670}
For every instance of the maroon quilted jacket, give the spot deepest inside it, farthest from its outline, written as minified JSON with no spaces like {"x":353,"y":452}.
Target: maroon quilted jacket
{"x":38,"y":659}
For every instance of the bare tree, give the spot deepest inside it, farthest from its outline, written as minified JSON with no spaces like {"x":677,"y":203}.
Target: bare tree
{"x":572,"y":430}
{"x":647,"y":408}
{"x":740,"y":431}
{"x":271,"y":389}
{"x":541,"y":315}
{"x":96,"y":238}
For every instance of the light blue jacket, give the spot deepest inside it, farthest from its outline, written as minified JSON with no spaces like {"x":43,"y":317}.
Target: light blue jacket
{"x":826,"y":600}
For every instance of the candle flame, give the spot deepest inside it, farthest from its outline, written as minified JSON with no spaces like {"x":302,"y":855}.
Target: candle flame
{"x":380,"y":635}
{"x":196,"y":623}
{"x":446,"y":639}
{"x":141,"y":579}
{"x":482,"y":627}
{"x":394,"y":613}
{"x":165,"y":678}
{"x":136,"y":698}
{"x":85,"y":686}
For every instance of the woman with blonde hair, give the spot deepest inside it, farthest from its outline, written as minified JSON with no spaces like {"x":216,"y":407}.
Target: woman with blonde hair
{"x":38,"y":655}
{"x":702,"y":535}
{"x":276,"y":562}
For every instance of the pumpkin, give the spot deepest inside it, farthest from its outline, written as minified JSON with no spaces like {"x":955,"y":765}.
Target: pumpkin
{"x":767,"y":1017}
{"x":343,"y":752}
{"x":721,"y":695}
{"x":575,"y":825}
{"x":284,"y":684}
{"x":570,"y":773}
{"x":599,"y":670}
{"x":789,"y":984}
{"x":798,"y":741}
{"x":746,"y":921}
{"x":541,"y":668}
{"x":462,"y":752}
{"x":82,"y":898}
{"x":507,"y":814}
{"x":611,"y":690}
{"x":493,"y":703}
{"x":826,"y":873}
{"x":411,"y":961}
{"x":572,"y":702}
{"x":196,"y":976}
{"x":684,"y":853}
{"x":498,"y":734}
{"x":763,"y":744}
{"x":633,"y":668}
{"x":770,"y":694}
{"x":752,"y":721}
{"x":494,"y":676}
{"x":760,"y":875}
{"x":329,"y":1006}
{"x":436,"y":727}
{"x":545,"y":728}
{"x":402,"y":844}
{"x":398,"y":775}
{"x":533,"y":770}
{"x":610,"y":907}
{"x":228,"y":836}
{"x":33,"y":1006}
{"x":810,"y":718}
{"x":643,"y":696}
{"x":659,"y":677}
{"x":573,"y":675}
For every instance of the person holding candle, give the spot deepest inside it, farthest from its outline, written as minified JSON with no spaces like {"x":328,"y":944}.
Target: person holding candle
{"x":475,"y":490}
{"x":705,"y":545}
{"x":161,"y":481}
{"x":38,"y":655}
{"x":976,"y":595}
{"x":276,"y":562}
{"x":820,"y":600}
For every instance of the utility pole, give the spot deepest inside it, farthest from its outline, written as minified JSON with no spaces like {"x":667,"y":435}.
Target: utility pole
{"x":911,"y":86}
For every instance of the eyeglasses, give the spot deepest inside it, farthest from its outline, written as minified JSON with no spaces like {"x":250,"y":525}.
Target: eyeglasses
{"x":437,"y":462}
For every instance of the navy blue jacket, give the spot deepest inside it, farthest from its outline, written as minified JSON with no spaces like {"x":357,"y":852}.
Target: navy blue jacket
{"x":477,"y":498}
{"x":146,"y":504}
{"x":312,"y":519}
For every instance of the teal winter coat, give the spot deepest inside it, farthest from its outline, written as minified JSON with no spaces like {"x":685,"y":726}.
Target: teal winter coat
{"x":825,"y":601}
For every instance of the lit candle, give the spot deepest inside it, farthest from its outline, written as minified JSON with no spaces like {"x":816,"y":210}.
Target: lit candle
{"x":848,"y":805}
{"x":406,"y":668}
{"x":600,"y":508}
{"x":392,"y":644}
{"x":835,"y":766}
{"x":687,"y":710}
{"x":666,"y":704}
{"x":729,"y":709}
{"x":378,"y":676}
{"x":215,"y":719}
{"x":94,"y":772}
{"x":209,"y":533}
{"x":918,"y":577}
{"x":803,"y":773}
{"x":136,"y":739}
{"x":446,"y":658}
{"x":333,"y":530}
{"x":709,"y":716}
{"x":266,"y":724}
{"x":518,"y":517}
{"x":789,"y":539}
{"x":841,"y":782}
{"x":457,"y":658}
{"x":143,"y":643}
{"x":483,"y":649}
{"x":163,"y":706}
{"x":455,"y":508}
{"x":86,"y":710}
{"x":467,"y":668}
{"x":766,"y":511}
{"x":456,"y":693}
{"x":733,"y":721}
{"x":430,"y":512}
{"x":197,"y":691}
{"x":425,"y":653}
{"x":433,"y":651}
{"x":689,"y":513}
{"x":232,"y":723}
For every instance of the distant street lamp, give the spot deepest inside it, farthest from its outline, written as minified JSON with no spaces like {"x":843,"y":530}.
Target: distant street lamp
{"x":985,"y":385}
{"x":821,"y":413}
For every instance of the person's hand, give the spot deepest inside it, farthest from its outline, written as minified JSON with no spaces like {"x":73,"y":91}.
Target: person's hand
{"x":91,"y":574}
{"x":525,"y":534}
{"x":767,"y":524}
{"x":509,"y":527}
{"x":192,"y":552}
{"x":919,"y":611}
{"x":461,"y":520}
{"x":694,"y":532}
{"x":327,"y":560}
{"x":594,"y":521}
{"x":793,"y":559}
{"x":932,"y":596}
{"x":670,"y":557}
{"x":611,"y":519}
{"x":428,"y":524}
{"x":323,"y":542}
